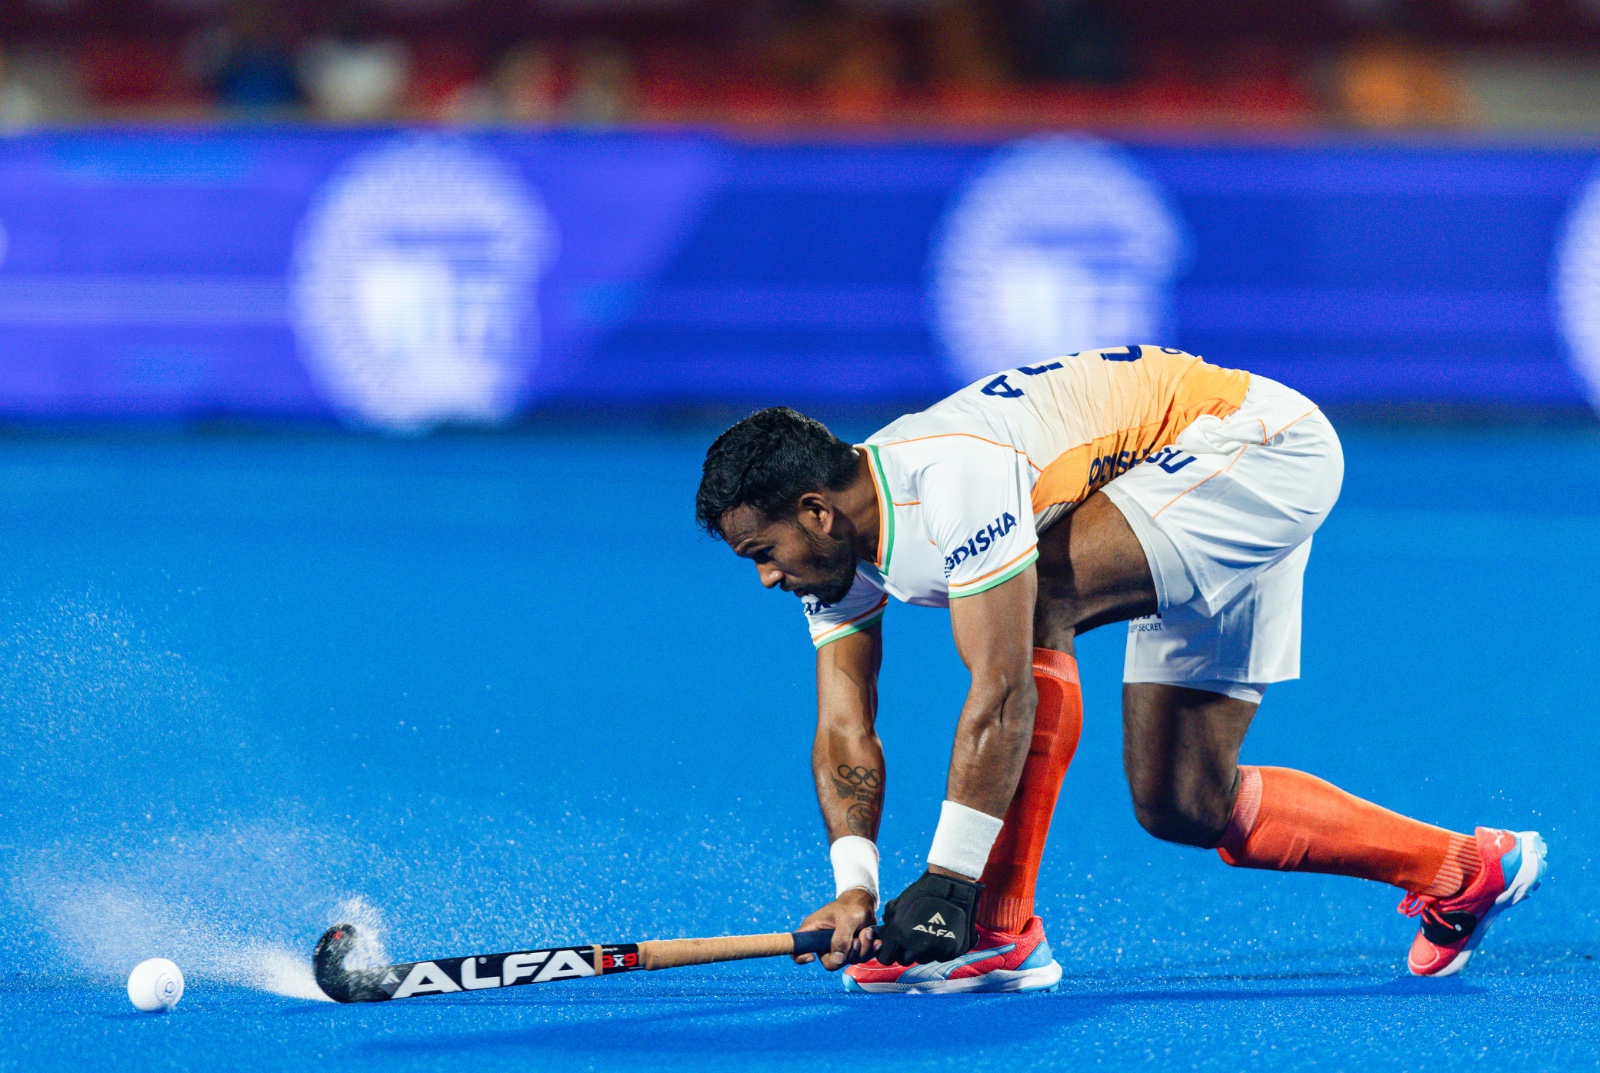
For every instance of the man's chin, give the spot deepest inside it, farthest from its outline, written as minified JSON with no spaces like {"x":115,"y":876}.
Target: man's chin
{"x":830,"y":594}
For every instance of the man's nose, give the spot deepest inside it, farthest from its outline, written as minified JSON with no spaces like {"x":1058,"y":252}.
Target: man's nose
{"x":770,"y":575}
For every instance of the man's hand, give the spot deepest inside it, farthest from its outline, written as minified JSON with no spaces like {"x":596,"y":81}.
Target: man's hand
{"x":851,"y":916}
{"x":934,"y":919}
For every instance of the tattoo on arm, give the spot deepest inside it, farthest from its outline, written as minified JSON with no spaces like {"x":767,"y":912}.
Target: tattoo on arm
{"x":864,"y":787}
{"x":857,"y":783}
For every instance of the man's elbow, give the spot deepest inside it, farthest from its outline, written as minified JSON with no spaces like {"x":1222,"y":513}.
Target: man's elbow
{"x":1024,"y":699}
{"x":1007,"y":703}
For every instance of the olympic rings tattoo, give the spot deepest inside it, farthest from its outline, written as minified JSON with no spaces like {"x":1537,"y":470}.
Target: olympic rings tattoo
{"x":860,"y":776}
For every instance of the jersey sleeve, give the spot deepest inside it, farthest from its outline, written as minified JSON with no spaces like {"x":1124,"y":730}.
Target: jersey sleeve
{"x":862,"y":606}
{"x":977,"y":506}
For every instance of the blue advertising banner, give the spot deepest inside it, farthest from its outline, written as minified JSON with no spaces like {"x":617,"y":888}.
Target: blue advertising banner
{"x":400,"y":278}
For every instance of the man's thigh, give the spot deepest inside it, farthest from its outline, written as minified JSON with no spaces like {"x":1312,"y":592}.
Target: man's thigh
{"x":1092,"y":570}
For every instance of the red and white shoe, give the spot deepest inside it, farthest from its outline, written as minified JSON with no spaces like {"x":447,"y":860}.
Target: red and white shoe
{"x":1513,"y":863}
{"x":1000,"y":962}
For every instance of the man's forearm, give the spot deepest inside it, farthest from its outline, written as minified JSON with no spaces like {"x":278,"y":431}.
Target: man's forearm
{"x":849,"y":773}
{"x":994,"y":634}
{"x":847,"y":758}
{"x":991,"y":744}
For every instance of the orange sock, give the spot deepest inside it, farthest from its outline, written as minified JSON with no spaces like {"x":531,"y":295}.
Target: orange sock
{"x":1293,"y":822}
{"x":1013,"y":868}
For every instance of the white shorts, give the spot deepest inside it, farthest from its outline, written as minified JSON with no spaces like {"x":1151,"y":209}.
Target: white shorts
{"x":1225,"y":517}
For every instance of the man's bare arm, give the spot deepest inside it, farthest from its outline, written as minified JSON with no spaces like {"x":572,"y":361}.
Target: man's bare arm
{"x":994,"y":636}
{"x":847,"y":757}
{"x":847,"y":763}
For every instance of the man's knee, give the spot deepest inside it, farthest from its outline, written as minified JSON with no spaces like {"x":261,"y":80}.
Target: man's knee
{"x":1180,"y":751}
{"x":1193,"y":815}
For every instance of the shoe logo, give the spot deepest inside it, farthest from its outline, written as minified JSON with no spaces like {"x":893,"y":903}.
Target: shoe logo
{"x":941,"y":970}
{"x":936,"y":919}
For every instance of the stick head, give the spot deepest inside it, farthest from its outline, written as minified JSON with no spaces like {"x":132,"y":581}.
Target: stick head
{"x":328,"y":961}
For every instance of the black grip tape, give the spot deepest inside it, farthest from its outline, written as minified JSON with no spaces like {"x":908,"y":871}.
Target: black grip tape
{"x":812,"y":942}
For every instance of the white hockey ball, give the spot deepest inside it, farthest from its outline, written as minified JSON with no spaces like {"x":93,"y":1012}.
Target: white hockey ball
{"x":155,"y":984}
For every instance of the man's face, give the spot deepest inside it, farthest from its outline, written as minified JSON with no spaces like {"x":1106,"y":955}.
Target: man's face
{"x":799,"y":555}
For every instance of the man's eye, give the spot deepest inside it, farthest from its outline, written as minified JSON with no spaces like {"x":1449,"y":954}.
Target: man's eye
{"x":762,"y":556}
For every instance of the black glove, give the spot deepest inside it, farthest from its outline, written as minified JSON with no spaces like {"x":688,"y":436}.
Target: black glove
{"x":934,"y":919}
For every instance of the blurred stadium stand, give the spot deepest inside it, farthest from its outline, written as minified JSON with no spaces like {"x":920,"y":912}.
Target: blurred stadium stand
{"x":411,"y":212}
{"x":810,"y":64}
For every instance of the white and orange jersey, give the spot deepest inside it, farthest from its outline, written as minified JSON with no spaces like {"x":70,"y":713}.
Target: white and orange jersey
{"x":965,"y":485}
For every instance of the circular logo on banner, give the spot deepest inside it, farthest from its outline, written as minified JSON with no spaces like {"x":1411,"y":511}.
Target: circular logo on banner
{"x":1577,"y":286}
{"x":413,"y":281}
{"x":1058,"y":246}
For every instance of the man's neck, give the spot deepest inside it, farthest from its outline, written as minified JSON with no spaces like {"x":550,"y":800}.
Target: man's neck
{"x":859,"y":503}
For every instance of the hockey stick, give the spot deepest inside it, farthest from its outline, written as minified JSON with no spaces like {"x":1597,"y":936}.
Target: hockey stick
{"x":479,"y":972}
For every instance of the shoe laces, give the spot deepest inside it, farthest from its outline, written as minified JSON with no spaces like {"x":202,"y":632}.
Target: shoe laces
{"x":1423,"y":905}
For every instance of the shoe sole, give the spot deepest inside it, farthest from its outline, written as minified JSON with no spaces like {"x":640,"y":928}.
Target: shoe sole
{"x":1535,"y":862}
{"x":1014,"y":981}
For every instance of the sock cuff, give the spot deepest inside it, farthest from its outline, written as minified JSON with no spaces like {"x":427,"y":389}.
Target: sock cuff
{"x":1460,"y":866}
{"x":1004,"y":912}
{"x":1055,"y":664}
{"x":1245,"y":808}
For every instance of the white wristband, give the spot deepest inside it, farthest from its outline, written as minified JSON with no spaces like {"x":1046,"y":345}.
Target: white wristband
{"x":963,"y":839}
{"x":855,"y":865}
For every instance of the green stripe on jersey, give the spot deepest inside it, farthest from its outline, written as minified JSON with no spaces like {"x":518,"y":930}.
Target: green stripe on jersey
{"x":887,"y":551}
{"x":989,"y":583}
{"x":854,"y":627}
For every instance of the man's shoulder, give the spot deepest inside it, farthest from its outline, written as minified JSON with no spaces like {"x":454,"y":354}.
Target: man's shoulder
{"x":901,"y":429}
{"x":946,"y":419}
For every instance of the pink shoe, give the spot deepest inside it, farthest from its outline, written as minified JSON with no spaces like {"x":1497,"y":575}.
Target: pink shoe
{"x":1000,"y":962}
{"x":1513,"y":865}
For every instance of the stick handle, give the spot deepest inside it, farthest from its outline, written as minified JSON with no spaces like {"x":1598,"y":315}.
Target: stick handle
{"x":671,"y":953}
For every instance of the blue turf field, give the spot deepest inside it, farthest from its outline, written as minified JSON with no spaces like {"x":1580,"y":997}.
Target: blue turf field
{"x":501,"y":690}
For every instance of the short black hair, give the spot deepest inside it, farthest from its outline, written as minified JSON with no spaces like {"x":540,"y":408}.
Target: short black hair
{"x":767,"y":462}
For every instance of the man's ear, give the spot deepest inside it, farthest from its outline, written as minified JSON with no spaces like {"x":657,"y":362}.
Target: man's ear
{"x":814,"y":512}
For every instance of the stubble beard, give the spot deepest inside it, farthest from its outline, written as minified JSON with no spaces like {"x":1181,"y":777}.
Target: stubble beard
{"x":835,"y":560}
